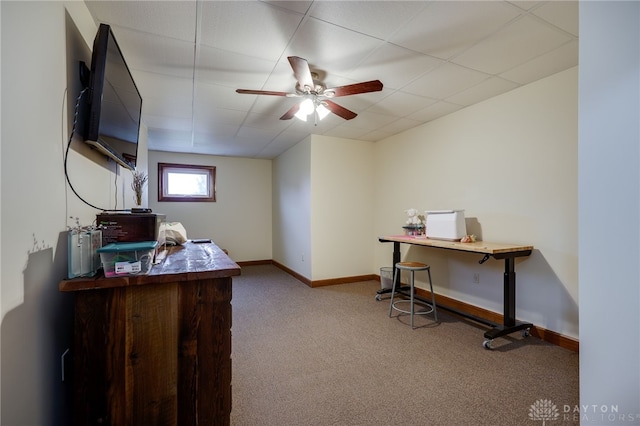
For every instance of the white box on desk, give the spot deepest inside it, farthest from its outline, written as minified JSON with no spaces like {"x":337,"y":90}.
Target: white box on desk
{"x":446,"y":225}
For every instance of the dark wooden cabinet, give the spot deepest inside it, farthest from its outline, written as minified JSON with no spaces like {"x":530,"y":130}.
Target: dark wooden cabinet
{"x":155,"y":349}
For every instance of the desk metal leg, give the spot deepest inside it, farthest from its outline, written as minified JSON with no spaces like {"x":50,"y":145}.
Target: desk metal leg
{"x":509,"y":322}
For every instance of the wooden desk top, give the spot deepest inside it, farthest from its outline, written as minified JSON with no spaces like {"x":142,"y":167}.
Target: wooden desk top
{"x":476,"y":247}
{"x":188,"y":262}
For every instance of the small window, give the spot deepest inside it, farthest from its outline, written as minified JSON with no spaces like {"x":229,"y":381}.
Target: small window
{"x":184,"y":182}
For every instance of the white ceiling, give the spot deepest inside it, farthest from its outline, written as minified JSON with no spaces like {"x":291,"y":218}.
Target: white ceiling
{"x":433,"y":57}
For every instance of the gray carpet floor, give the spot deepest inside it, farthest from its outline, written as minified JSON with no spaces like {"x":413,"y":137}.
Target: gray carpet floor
{"x":332,"y":356}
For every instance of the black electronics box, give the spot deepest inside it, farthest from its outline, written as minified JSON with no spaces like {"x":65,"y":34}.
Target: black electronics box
{"x":129,"y":227}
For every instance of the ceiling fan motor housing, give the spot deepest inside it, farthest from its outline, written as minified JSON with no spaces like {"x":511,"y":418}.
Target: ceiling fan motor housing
{"x":318,"y":88}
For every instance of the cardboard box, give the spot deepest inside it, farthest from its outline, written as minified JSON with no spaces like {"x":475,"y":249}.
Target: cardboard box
{"x":129,"y":227}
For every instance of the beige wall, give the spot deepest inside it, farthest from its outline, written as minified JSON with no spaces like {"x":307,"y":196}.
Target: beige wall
{"x":341,"y":207}
{"x":292,"y":208}
{"x":323,"y":195}
{"x":511,"y":163}
{"x":42,"y":43}
{"x":239,"y":220}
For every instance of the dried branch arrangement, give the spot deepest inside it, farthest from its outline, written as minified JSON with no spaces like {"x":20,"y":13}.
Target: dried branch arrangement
{"x":138,"y":183}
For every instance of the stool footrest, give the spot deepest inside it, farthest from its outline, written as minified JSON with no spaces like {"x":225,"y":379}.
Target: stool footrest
{"x":429,"y":308}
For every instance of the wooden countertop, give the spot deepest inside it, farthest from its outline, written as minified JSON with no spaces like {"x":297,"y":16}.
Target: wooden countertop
{"x":476,"y":247}
{"x":187,"y":262}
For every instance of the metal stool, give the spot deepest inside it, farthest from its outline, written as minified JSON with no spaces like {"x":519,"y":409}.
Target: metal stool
{"x":412,"y":267}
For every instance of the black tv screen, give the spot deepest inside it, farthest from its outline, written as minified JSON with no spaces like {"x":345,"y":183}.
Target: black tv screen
{"x":115,"y":104}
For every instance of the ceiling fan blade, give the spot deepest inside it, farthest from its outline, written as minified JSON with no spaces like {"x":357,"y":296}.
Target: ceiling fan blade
{"x":354,"y":89}
{"x":291,"y":113}
{"x":339,"y":110}
{"x":261,"y":92}
{"x":302,"y":72}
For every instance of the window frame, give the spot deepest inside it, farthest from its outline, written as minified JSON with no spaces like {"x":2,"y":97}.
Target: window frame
{"x":165,"y":168}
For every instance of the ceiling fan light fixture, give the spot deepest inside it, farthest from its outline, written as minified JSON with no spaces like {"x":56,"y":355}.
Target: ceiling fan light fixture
{"x":300,"y":115}
{"x":322,"y":111}
{"x":306,"y":108}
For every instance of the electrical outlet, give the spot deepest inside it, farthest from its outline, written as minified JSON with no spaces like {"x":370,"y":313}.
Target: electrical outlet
{"x":476,"y":278}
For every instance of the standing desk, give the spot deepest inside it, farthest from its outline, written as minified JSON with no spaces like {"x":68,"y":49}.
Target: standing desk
{"x":508,"y":252}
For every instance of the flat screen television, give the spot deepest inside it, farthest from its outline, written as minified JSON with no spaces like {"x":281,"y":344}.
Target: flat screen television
{"x":114,"y":102}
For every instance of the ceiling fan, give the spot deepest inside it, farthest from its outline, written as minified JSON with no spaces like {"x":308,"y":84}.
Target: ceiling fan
{"x":317,"y":97}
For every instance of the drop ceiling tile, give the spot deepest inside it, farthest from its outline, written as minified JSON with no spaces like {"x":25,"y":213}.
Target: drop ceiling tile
{"x":164,"y":148}
{"x":218,"y":149}
{"x":248,"y":27}
{"x":514,"y":45}
{"x":437,"y":110}
{"x":216,"y":133}
{"x":560,"y":59}
{"x":446,"y":28}
{"x":260,"y":135}
{"x":205,"y":119}
{"x":215,"y":96}
{"x":399,"y":125}
{"x":232,"y":69}
{"x":171,"y":19}
{"x":281,"y":78}
{"x":218,"y":129}
{"x":444,"y":81}
{"x":246,"y":44}
{"x":179,"y":107}
{"x":377,"y":19}
{"x":369,"y":120}
{"x":165,"y":96}
{"x":274,"y":105}
{"x":163,"y":139}
{"x":204,"y":144}
{"x":524,"y":4}
{"x":291,"y":135}
{"x":330,"y":48}
{"x":268,"y":122}
{"x":346,"y":132}
{"x":276,"y":147}
{"x":400,"y":104}
{"x":563,"y":14}
{"x":300,"y":7}
{"x":375,"y":135}
{"x":168,"y":122}
{"x":489,"y":88}
{"x":141,"y":53}
{"x":394,"y":66}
